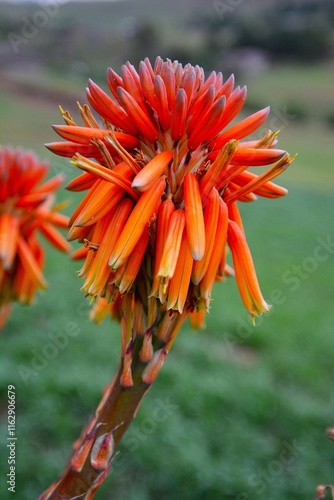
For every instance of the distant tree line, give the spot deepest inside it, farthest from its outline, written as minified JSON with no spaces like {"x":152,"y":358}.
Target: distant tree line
{"x":293,"y":31}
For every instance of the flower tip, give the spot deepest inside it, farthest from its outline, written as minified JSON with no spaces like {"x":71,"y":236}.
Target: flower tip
{"x":152,"y":171}
{"x":51,"y":146}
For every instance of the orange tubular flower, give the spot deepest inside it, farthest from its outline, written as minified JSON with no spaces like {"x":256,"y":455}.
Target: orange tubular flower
{"x":25,"y":209}
{"x":164,"y":172}
{"x":166,"y":138}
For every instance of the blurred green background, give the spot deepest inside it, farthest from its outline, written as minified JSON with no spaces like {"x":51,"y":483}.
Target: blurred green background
{"x":238,"y":412}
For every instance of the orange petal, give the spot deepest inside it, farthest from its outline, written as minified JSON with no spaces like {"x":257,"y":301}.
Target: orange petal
{"x":179,"y":283}
{"x":172,"y":245}
{"x":168,"y":77}
{"x":77,"y":233}
{"x":146,"y":79}
{"x":109,"y":109}
{"x":99,"y":206}
{"x":197,"y":319}
{"x":170,"y":325}
{"x":114,"y":81}
{"x":257,"y":182}
{"x":152,"y":170}
{"x":227,"y":87}
{"x":138,"y":220}
{"x":105,"y":198}
{"x":9,"y":233}
{"x":200,"y":108}
{"x":216,"y":169}
{"x":103,"y":173}
{"x":131,"y":83}
{"x":132,"y":265}
{"x":31,"y":200}
{"x":165,"y":212}
{"x":234,"y":103}
{"x":179,"y":114}
{"x":85,"y":199}
{"x":242,"y":129}
{"x":245,"y":272}
{"x":189,"y":82}
{"x":112,"y":230}
{"x":211,"y":214}
{"x":219,"y":247}
{"x":54,"y":237}
{"x":100,"y":310}
{"x":68,"y":149}
{"x":135,"y":112}
{"x":256,"y":157}
{"x":161,"y":102}
{"x":268,"y":189}
{"x":57,"y":219}
{"x":80,"y":253}
{"x":81,"y":183}
{"x":194,"y":216}
{"x":84,"y":135}
{"x":234,"y":214}
{"x":208,"y":127}
{"x":50,"y":185}
{"x":30,"y":264}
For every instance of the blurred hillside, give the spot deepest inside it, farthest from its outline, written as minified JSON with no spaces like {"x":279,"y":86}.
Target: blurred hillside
{"x":48,"y":50}
{"x":80,"y":39}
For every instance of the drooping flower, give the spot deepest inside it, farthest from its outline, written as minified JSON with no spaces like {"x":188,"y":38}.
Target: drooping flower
{"x":164,"y":170}
{"x":25,"y":209}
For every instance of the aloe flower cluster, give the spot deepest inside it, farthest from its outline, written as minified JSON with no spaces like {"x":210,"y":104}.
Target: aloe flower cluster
{"x":163,"y":172}
{"x":26,"y":209}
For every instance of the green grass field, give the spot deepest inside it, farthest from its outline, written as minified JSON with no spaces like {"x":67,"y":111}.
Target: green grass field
{"x":242,"y":410}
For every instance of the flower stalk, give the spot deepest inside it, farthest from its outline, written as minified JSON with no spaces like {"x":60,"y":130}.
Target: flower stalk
{"x":143,"y":355}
